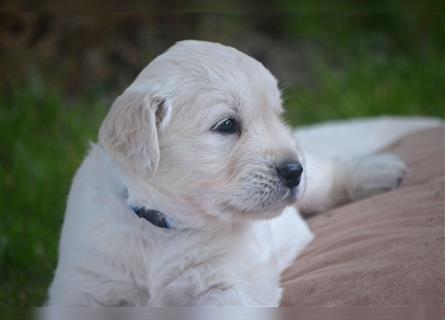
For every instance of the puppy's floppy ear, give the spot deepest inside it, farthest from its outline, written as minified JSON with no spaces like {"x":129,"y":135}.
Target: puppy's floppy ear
{"x":129,"y":133}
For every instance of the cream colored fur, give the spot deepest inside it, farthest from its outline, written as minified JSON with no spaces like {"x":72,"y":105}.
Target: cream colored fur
{"x":235,"y":224}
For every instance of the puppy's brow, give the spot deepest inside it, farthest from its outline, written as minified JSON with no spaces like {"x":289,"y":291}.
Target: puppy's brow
{"x":235,"y":108}
{"x":234,"y":104}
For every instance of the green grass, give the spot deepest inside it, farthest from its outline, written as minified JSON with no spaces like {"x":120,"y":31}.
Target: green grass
{"x":370,"y":86}
{"x":43,"y":141}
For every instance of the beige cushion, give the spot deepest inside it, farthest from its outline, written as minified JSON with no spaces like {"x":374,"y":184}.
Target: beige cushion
{"x":385,"y":250}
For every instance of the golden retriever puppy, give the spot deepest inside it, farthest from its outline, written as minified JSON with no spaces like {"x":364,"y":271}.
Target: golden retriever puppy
{"x":188,"y":198}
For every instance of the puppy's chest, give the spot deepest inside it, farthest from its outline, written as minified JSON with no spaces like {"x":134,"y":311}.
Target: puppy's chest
{"x":177,"y":271}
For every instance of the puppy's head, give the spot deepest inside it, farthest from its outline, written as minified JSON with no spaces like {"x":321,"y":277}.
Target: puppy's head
{"x":201,"y":125}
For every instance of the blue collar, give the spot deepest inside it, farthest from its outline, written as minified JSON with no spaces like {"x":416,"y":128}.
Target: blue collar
{"x":155,"y":217}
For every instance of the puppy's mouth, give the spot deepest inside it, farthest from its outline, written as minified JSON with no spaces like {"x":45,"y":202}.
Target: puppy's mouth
{"x":261,"y":205}
{"x":293,"y":195}
{"x":290,"y":196}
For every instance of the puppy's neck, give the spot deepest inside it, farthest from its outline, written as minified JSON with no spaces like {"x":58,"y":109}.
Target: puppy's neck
{"x":136,"y":193}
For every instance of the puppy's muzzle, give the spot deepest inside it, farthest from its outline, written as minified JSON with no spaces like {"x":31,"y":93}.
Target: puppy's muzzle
{"x":290,"y":173}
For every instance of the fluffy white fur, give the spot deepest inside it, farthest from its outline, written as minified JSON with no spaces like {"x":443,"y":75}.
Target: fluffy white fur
{"x":235,"y":226}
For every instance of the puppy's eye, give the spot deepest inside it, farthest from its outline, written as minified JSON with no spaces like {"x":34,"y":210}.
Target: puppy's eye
{"x":226,"y":126}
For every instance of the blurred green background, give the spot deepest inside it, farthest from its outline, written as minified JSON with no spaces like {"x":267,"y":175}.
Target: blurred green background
{"x":60,"y":73}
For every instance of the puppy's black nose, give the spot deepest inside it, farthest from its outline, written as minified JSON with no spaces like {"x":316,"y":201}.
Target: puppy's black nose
{"x":290,"y":173}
